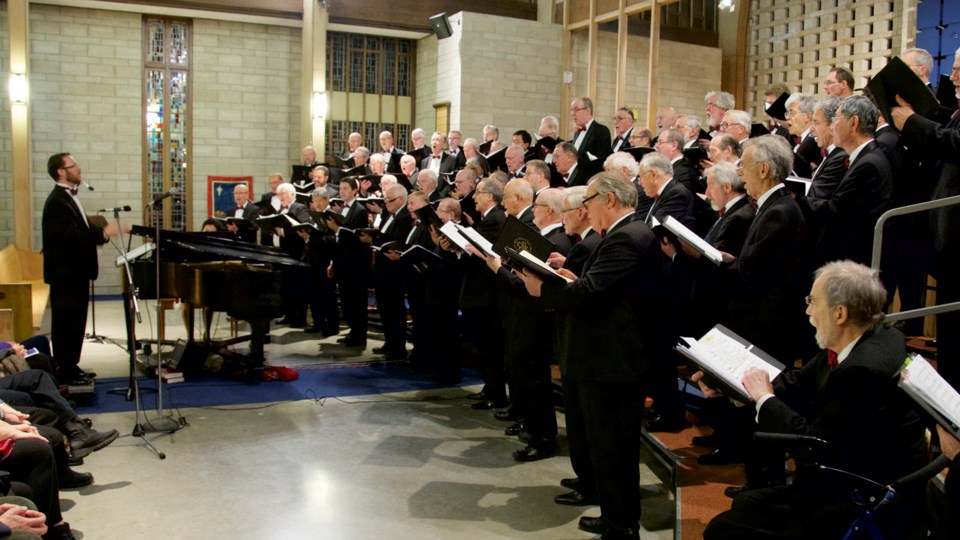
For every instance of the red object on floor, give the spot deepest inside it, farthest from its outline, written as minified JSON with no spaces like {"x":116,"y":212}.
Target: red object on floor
{"x":279,"y":373}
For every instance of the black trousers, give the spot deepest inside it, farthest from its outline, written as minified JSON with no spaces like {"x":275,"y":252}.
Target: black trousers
{"x":323,"y":303}
{"x":68,"y":309}
{"x":32,"y":463}
{"x":353,"y":301}
{"x":577,"y":439}
{"x":613,"y":417}
{"x":42,"y":390}
{"x":484,"y":323}
{"x":393,"y":311}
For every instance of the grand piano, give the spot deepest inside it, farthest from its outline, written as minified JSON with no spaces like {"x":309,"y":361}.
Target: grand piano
{"x":219,"y":273}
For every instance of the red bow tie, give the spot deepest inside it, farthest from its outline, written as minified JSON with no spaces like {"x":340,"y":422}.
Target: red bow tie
{"x":581,"y":128}
{"x":73,"y":191}
{"x":832,"y":360}
{"x":435,"y":156}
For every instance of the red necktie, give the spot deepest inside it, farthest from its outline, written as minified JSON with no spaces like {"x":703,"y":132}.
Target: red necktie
{"x":832,"y":360}
{"x":723,"y":211}
{"x":575,"y":238}
{"x":603,"y":233}
{"x":823,"y":152}
{"x":655,"y":197}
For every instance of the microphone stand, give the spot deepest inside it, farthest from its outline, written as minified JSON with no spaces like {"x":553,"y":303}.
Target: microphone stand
{"x":92,"y":336}
{"x":164,"y":423}
{"x":131,"y":307}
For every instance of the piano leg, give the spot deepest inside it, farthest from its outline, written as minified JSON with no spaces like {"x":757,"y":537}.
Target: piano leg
{"x":258,"y":334}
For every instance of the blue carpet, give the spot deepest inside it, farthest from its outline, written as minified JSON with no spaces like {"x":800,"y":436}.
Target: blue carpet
{"x":216,"y":390}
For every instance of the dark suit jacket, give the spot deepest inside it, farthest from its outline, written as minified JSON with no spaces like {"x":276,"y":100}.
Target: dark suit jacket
{"x":596,"y":141}
{"x":610,"y":328}
{"x":849,"y":216}
{"x":827,"y":177}
{"x":266,"y":239}
{"x":889,"y":141}
{"x":807,"y":153}
{"x":730,"y":232}
{"x":687,"y":174}
{"x":940,"y":143}
{"x":250,"y":213}
{"x":478,"y":281}
{"x":581,"y":251}
{"x":393,"y":165}
{"x":625,"y":144}
{"x":468,"y":206}
{"x":526,"y":217}
{"x":448,"y":163}
{"x":677,"y":201}
{"x":871,"y":425}
{"x":766,"y":304}
{"x":560,"y":240}
{"x":352,"y":258}
{"x":69,"y":244}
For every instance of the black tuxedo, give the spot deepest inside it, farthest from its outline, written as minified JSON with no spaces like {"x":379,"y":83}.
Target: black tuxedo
{"x":351,"y":269}
{"x":827,"y":176}
{"x":873,"y":430}
{"x":610,"y":342}
{"x":481,"y":316}
{"x":290,"y":242}
{"x":766,"y":305}
{"x":448,"y":162}
{"x":393,"y":163}
{"x":294,"y":299}
{"x":677,"y":201}
{"x":389,"y":289}
{"x":807,"y":157}
{"x":69,"y":265}
{"x":943,"y":143}
{"x":526,"y":217}
{"x":849,"y":216}
{"x":266,"y":209}
{"x":596,"y":141}
{"x":468,"y":207}
{"x":576,"y":177}
{"x":621,"y":142}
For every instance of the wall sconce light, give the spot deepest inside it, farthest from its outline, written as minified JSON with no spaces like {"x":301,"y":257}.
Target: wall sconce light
{"x":726,"y":5}
{"x":319,"y":105}
{"x":18,"y":87}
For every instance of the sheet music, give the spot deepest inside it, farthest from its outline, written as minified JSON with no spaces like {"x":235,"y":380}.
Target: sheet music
{"x":449,"y":229}
{"x":477,"y":240}
{"x":727,"y":358}
{"x":918,"y":375}
{"x":693,"y":239}
{"x":533,"y":259}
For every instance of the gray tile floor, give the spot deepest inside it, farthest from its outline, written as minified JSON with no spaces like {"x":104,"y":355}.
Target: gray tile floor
{"x":410,"y":465}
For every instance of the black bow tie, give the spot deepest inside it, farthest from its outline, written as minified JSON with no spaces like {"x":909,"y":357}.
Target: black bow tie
{"x":73,"y":191}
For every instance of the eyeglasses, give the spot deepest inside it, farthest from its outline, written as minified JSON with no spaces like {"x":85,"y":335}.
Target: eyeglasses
{"x":616,"y":118}
{"x":808,"y":299}
{"x":828,"y":82}
{"x":69,"y":166}
{"x":742,"y":167}
{"x":725,"y":125}
{"x":390,"y":200}
{"x":590,"y":198}
{"x":571,"y":209}
{"x":577,"y":109}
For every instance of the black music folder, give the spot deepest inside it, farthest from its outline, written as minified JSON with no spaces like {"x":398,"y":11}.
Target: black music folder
{"x":520,"y":237}
{"x":379,"y":201}
{"x":756,"y":130}
{"x":300,"y":174}
{"x":526,"y":262}
{"x":639,"y":151}
{"x":374,"y":180}
{"x":497,"y":161}
{"x":778,"y":109}
{"x":339,"y":174}
{"x":272,"y":221}
{"x":897,"y":79}
{"x":420,"y":154}
{"x":337,"y":217}
{"x":429,"y":216}
{"x":346,"y":162}
{"x":695,"y":154}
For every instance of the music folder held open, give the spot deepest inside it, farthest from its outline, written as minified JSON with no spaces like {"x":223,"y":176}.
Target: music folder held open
{"x":932,"y":392}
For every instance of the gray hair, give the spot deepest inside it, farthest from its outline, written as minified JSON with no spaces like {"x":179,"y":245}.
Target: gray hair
{"x":922,"y":56}
{"x":540,"y":166}
{"x":863,"y":108}
{"x":397,"y":190}
{"x":726,"y":140}
{"x":575,"y":195}
{"x":319,"y":194}
{"x":620,"y":162}
{"x":725,"y":100}
{"x":807,"y":102}
{"x":363,"y":150}
{"x":740,"y":117}
{"x":829,"y":107}
{"x":672,"y":135}
{"x":775,"y":151}
{"x":408,"y":158}
{"x":286,"y":187}
{"x":493,"y":128}
{"x":427,"y":174}
{"x":553,"y":198}
{"x":552,"y":123}
{"x":856,"y":287}
{"x":725,"y":173}
{"x":588,"y":103}
{"x":692,"y":121}
{"x":618,"y":184}
{"x":658,"y":162}
{"x":493,"y":188}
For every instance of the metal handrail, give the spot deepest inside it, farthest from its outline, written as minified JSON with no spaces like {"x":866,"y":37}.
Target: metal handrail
{"x":878,"y":247}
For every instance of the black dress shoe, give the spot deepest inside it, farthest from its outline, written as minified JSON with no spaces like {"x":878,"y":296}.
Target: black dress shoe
{"x":477,"y":396}
{"x":395,"y":355}
{"x":505,"y":415}
{"x":622,"y":534}
{"x":733,"y":491}
{"x":60,"y":531}
{"x":720,"y":456}
{"x":71,"y":479}
{"x":487,"y":405}
{"x":706,"y":440}
{"x":593,"y":525}
{"x":535,"y":453}
{"x":513,"y":429}
{"x":343,"y":340}
{"x":379,"y":350}
{"x":350,"y":342}
{"x":575,"y":498}
{"x":312,"y":330}
{"x":571,"y":483}
{"x":525,"y":435}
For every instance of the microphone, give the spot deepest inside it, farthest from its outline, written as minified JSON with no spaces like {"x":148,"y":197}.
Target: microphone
{"x":89,"y":187}
{"x":125,"y":208}
{"x":173,"y":191}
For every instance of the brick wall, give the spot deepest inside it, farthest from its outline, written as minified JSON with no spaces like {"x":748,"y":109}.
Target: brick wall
{"x":6,"y":182}
{"x":686,"y":73}
{"x":493,"y":70}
